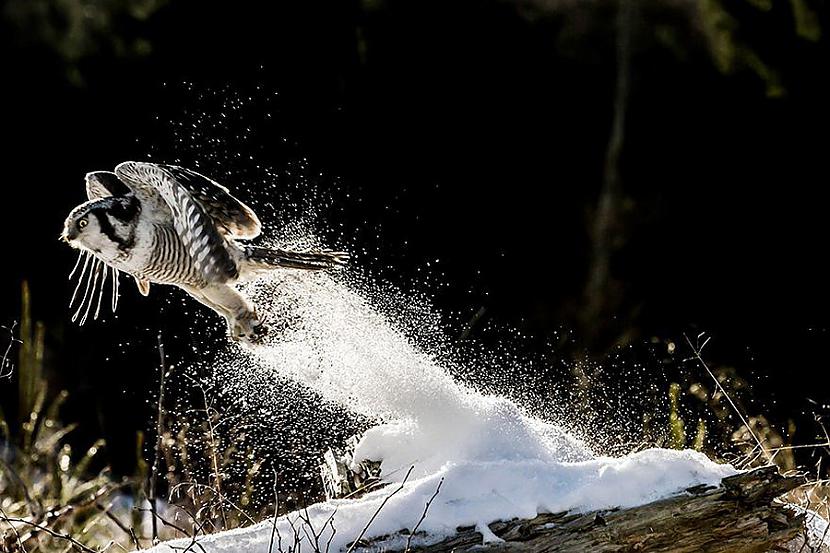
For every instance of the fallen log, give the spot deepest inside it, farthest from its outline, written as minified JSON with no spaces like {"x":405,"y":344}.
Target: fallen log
{"x":742,"y":515}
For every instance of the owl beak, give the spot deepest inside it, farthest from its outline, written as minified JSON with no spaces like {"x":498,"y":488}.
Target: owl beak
{"x":67,"y":236}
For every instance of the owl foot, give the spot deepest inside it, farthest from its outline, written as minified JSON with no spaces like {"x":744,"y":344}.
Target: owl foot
{"x":249,"y":329}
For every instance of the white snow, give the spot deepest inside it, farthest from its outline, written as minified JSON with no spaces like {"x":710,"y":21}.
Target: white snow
{"x":496,"y":461}
{"x":476,"y":493}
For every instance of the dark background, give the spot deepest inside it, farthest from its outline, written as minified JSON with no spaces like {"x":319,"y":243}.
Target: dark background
{"x":472,"y":133}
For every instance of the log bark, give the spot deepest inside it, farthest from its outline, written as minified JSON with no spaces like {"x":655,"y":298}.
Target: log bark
{"x":740,"y":516}
{"x":744,"y":514}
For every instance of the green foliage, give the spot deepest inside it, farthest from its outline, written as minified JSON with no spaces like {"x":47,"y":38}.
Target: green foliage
{"x":211,"y":472}
{"x":31,"y":383}
{"x":48,"y":493}
{"x":677,"y":428}
{"x":807,"y":25}
{"x":700,"y":437}
{"x":78,"y":29}
{"x":731,"y":52}
{"x":42,"y":483}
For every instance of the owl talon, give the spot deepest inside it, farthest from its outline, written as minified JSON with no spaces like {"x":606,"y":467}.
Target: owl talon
{"x":251,"y":331}
{"x":260,"y":331}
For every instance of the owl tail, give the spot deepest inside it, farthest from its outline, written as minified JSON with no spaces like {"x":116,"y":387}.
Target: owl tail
{"x":273,"y":258}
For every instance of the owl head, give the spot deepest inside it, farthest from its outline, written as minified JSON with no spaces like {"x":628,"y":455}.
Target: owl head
{"x":103,"y":226}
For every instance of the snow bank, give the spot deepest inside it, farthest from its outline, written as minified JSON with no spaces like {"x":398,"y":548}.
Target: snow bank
{"x":477,"y":493}
{"x":496,"y":462}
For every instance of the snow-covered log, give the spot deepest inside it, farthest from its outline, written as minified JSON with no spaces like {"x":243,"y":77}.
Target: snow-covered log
{"x":741,"y":515}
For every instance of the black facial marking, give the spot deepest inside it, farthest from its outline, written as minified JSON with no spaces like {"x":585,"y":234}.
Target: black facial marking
{"x":108,"y":230}
{"x":125,"y":209}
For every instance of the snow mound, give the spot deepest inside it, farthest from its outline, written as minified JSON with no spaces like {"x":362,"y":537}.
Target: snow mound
{"x":475,"y":493}
{"x":493,"y":461}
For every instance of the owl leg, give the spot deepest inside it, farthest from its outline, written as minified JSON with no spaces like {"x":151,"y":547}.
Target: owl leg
{"x":243,"y":321}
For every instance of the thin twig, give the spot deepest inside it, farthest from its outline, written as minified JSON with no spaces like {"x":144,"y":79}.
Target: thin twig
{"x":34,"y":506}
{"x":333,"y":532}
{"x":53,"y":516}
{"x":5,"y":362}
{"x":197,"y":527}
{"x":217,"y":476}
{"x":114,"y":543}
{"x":274,"y":530}
{"x":328,"y":521}
{"x":423,"y":515}
{"x":157,"y":446}
{"x":723,"y":391}
{"x":316,"y":535}
{"x":372,"y":484}
{"x":166,"y":522}
{"x":804,"y":446}
{"x":124,"y":528}
{"x":53,"y":533}
{"x":222,"y":499}
{"x":14,"y":529}
{"x":383,"y":503}
{"x":805,"y":527}
{"x":297,"y":537}
{"x":315,"y":544}
{"x":824,"y":535}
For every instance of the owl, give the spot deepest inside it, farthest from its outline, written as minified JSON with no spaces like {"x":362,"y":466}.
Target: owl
{"x":163,"y":224}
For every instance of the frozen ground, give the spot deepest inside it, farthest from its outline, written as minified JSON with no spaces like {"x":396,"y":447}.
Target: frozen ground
{"x":493,"y":460}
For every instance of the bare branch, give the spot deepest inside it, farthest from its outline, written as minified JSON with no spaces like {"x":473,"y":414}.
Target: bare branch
{"x":333,"y":532}
{"x":151,"y":495}
{"x":6,"y":368}
{"x":724,"y":392}
{"x":14,"y":529}
{"x":423,"y":516}
{"x":123,"y":527}
{"x":383,"y":503}
{"x":55,"y":534}
{"x":223,"y":500}
{"x":274,"y":530}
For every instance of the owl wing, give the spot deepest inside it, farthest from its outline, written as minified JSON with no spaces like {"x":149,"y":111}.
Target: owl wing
{"x":198,"y":230}
{"x":100,"y":184}
{"x":232,"y":217}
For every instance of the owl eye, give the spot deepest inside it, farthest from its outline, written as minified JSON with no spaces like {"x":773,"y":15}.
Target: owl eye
{"x":82,"y":223}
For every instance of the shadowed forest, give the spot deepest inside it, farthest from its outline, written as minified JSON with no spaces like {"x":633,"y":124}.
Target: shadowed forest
{"x":608,"y":183}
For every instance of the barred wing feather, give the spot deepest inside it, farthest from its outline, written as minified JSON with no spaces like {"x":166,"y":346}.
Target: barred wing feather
{"x":192,"y":219}
{"x":232,"y":217}
{"x":100,"y":184}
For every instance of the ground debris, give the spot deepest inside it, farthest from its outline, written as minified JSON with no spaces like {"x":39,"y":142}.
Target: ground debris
{"x":343,"y":477}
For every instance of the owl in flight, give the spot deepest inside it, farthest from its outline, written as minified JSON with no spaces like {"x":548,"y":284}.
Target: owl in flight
{"x":169,"y":225}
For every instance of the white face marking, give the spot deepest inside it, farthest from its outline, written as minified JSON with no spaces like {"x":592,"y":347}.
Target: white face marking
{"x":87,"y":235}
{"x":113,"y":221}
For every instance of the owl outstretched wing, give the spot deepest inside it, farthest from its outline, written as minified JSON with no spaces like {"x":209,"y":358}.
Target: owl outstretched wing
{"x":199,"y":216}
{"x":232,"y":217}
{"x":100,"y":184}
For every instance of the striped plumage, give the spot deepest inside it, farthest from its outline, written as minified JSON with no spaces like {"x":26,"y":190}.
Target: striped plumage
{"x":169,"y":225}
{"x":169,"y":261}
